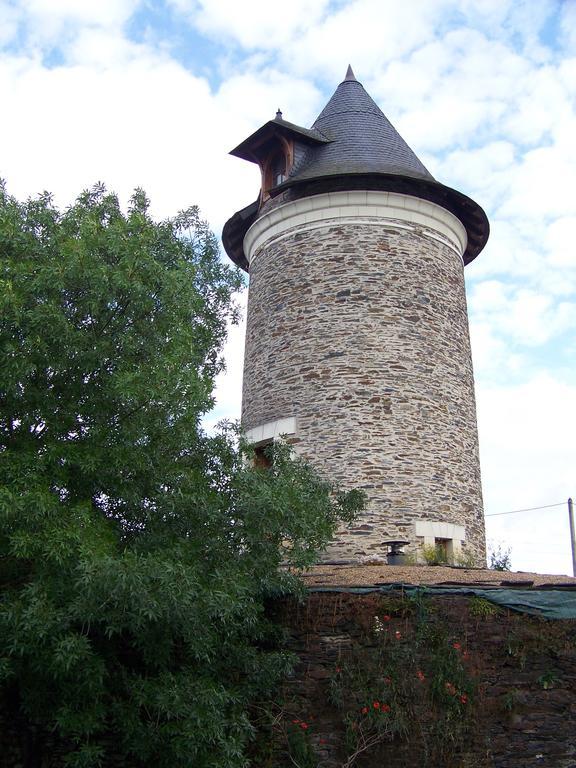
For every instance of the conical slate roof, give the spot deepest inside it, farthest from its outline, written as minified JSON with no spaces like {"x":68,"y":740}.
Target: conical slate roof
{"x":363,"y":140}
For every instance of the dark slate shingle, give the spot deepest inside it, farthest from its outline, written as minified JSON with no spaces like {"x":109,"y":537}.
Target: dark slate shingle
{"x":363,"y":140}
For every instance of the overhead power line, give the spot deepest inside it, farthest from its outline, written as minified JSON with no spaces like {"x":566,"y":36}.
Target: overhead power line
{"x":528,"y":509}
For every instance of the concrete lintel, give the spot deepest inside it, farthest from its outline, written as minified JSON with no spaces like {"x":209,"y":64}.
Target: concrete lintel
{"x":272,"y":430}
{"x":430,"y":529}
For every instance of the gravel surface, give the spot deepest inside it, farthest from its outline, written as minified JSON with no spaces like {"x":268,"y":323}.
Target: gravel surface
{"x":369,"y":575}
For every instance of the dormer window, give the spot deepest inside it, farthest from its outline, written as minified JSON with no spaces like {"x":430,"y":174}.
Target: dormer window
{"x":278,"y":168}
{"x":276,"y":147}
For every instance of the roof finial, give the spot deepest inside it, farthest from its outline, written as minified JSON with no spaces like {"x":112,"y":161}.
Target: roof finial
{"x":279,"y":114}
{"x":350,"y":74}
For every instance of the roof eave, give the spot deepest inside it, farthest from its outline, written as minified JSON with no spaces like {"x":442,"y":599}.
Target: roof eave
{"x":464,"y":208}
{"x":234,"y":230}
{"x":248,"y":149}
{"x":471,"y":214}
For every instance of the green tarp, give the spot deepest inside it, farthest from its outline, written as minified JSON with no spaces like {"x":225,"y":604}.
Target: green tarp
{"x":546,"y":603}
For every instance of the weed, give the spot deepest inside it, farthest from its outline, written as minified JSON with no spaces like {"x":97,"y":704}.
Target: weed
{"x":516,"y":648}
{"x":500,"y":559}
{"x":300,"y":749}
{"x":548,"y":680}
{"x":465,"y":560}
{"x":434,"y":555}
{"x":481,"y":608}
{"x":395,"y":606}
{"x":510,"y":699}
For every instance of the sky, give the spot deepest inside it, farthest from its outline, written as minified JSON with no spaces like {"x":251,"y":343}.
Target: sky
{"x":154,"y":93}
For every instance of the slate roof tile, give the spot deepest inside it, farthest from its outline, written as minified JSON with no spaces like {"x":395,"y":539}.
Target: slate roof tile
{"x":363,"y":140}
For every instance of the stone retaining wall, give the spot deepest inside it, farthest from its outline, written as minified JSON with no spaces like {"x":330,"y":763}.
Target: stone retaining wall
{"x":522,"y":712}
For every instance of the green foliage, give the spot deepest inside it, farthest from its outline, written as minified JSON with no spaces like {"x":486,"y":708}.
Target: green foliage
{"x":136,"y":553}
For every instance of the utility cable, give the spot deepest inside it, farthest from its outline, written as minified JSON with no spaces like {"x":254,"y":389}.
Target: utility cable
{"x":528,"y":509}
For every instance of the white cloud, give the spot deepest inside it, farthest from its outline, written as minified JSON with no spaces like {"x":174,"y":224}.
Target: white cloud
{"x":568,"y":25}
{"x":492,"y":355}
{"x":9,"y":19}
{"x":98,"y":48}
{"x":567,"y":70}
{"x":559,"y":239}
{"x":525,"y":316}
{"x":534,"y":319}
{"x":540,"y":103}
{"x":489,"y":296}
{"x":543,"y":184}
{"x":365,"y":33}
{"x":134,"y":118}
{"x":49,"y":23}
{"x":228,"y":385}
{"x":125,"y":125}
{"x":102,"y":13}
{"x":511,"y":250}
{"x":526,"y":449}
{"x":453,"y":91}
{"x":252,"y":23}
{"x":492,"y":13}
{"x":298,"y":99}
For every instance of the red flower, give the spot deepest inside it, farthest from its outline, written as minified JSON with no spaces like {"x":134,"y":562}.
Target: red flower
{"x":364,"y":710}
{"x":296,"y":722}
{"x":420,"y":675}
{"x":450,"y":689}
{"x":387,"y":680}
{"x":397,"y":635}
{"x":385,"y":708}
{"x":376,"y":704}
{"x":386,"y":618}
{"x":304,"y":726}
{"x":464,"y":698}
{"x":456,"y":646}
{"x":322,"y":741}
{"x":338,"y":669}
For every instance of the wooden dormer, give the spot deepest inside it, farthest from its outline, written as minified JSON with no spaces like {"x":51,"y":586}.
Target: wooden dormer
{"x":275,"y":148}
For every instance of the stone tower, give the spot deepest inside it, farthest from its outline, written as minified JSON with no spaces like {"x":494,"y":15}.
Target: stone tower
{"x":357,"y":344}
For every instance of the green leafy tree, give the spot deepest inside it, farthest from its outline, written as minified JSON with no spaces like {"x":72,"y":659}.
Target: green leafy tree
{"x":136,"y":553}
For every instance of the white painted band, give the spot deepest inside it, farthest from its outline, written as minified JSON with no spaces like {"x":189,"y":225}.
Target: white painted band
{"x":272,"y":430}
{"x":384,"y":209}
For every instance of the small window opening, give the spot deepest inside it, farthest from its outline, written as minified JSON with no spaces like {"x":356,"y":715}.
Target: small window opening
{"x":443,"y":548}
{"x":278,"y":166}
{"x":263,"y":456}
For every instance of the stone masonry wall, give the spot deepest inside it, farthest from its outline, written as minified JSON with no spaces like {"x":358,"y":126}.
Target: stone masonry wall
{"x":522,"y":711}
{"x":360,"y":331}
